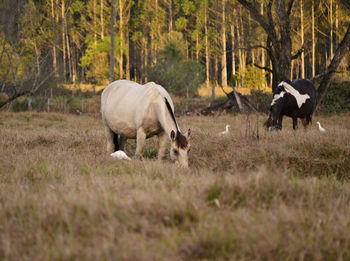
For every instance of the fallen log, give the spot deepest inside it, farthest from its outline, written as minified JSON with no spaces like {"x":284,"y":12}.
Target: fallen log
{"x":234,"y":100}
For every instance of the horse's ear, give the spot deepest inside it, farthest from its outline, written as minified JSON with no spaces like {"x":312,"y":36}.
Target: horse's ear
{"x":172,"y":135}
{"x":188,"y":134}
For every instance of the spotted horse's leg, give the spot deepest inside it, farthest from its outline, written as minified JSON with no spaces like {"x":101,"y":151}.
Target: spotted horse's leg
{"x":295,"y":123}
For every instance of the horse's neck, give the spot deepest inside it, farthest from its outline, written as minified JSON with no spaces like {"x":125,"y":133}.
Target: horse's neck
{"x":169,"y":125}
{"x":166,"y":120}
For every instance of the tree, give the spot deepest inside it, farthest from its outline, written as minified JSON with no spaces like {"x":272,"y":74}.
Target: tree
{"x":173,"y":70}
{"x":111,"y":58}
{"x":278,"y":30}
{"x":223,"y":38}
{"x":339,"y":53}
{"x":23,"y":68}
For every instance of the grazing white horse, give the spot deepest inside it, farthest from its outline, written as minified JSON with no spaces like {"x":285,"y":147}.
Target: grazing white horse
{"x":133,"y":111}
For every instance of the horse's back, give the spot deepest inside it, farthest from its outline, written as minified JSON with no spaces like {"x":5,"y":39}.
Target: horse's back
{"x":115,"y":92}
{"x":125,"y":104}
{"x":305,"y":86}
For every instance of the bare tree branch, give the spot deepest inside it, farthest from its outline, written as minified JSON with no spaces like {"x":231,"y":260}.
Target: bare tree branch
{"x":346,"y":3}
{"x":263,"y":68}
{"x":300,"y":51}
{"x":343,"y":47}
{"x":269,"y":28}
{"x":290,"y":6}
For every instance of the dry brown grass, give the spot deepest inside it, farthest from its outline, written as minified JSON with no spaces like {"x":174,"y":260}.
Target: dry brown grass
{"x":282,"y":196}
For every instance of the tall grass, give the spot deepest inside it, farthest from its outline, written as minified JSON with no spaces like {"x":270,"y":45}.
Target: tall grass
{"x":249,"y":195}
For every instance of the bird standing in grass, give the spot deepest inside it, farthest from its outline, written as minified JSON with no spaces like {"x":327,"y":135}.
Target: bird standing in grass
{"x":225,"y":131}
{"x":119,"y":154}
{"x":320,"y":127}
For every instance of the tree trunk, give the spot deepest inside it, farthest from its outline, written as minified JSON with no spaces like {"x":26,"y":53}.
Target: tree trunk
{"x":302,"y":39}
{"x":240,"y":53}
{"x":63,"y":41}
{"x":101,"y":14}
{"x":127,"y":57}
{"x":216,"y":70}
{"x":68,"y":52}
{"x":69,"y":57}
{"x":37,"y":55}
{"x":121,"y":73}
{"x":233,"y":50}
{"x":340,"y":52}
{"x":313,"y":38}
{"x":111,"y":58}
{"x":145,"y":58}
{"x":74,"y":66}
{"x":331,"y":29}
{"x":54,"y":54}
{"x":263,"y":57}
{"x":170,"y":7}
{"x":232,"y":27}
{"x":336,"y":24}
{"x":223,"y":56}
{"x":242,"y":45}
{"x":206,"y":46}
{"x":158,"y":34}
{"x":197,"y":47}
{"x":263,"y":62}
{"x":95,"y":25}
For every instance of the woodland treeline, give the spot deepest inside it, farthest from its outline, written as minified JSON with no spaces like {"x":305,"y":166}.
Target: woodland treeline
{"x":173,"y":42}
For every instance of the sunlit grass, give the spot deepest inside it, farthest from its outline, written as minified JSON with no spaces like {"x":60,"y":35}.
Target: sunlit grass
{"x":249,"y":195}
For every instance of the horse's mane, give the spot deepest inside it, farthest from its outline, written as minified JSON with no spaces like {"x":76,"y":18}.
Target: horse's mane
{"x":180,"y":139}
{"x":171,"y":113}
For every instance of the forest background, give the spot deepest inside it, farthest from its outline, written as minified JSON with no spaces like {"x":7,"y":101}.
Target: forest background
{"x":180,"y":44}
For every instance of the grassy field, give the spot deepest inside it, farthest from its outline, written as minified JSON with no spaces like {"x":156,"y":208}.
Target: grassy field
{"x":250,"y":195}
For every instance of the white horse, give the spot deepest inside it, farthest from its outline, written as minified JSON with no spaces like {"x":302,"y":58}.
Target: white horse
{"x":133,"y":111}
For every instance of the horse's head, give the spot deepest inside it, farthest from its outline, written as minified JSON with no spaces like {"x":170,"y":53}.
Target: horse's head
{"x":273,"y":122}
{"x":180,"y":147}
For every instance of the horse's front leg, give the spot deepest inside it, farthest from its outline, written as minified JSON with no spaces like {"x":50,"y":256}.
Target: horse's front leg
{"x":295,"y":123}
{"x":162,"y":145}
{"x":140,"y":142}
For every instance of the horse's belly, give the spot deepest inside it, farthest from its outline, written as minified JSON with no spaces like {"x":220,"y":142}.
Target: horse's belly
{"x":123,"y":128}
{"x":151,"y":127}
{"x":128,"y":128}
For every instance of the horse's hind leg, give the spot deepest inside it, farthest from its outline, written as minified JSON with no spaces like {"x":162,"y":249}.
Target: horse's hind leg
{"x":116,"y":141}
{"x":112,"y":140}
{"x":140,"y":142}
{"x":306,"y":121}
{"x":122,"y":142}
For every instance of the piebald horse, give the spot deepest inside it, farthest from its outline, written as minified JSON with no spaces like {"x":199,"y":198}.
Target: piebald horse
{"x":133,"y":111}
{"x":295,"y":99}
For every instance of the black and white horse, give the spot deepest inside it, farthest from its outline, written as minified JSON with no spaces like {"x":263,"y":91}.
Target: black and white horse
{"x":295,"y":99}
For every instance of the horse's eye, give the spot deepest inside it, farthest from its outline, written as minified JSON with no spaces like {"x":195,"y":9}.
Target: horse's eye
{"x":176,"y":152}
{"x":188,"y":150}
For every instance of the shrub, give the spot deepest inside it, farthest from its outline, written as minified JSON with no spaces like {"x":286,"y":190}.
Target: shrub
{"x":337,"y":99}
{"x":253,"y":77}
{"x":174,"y":72}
